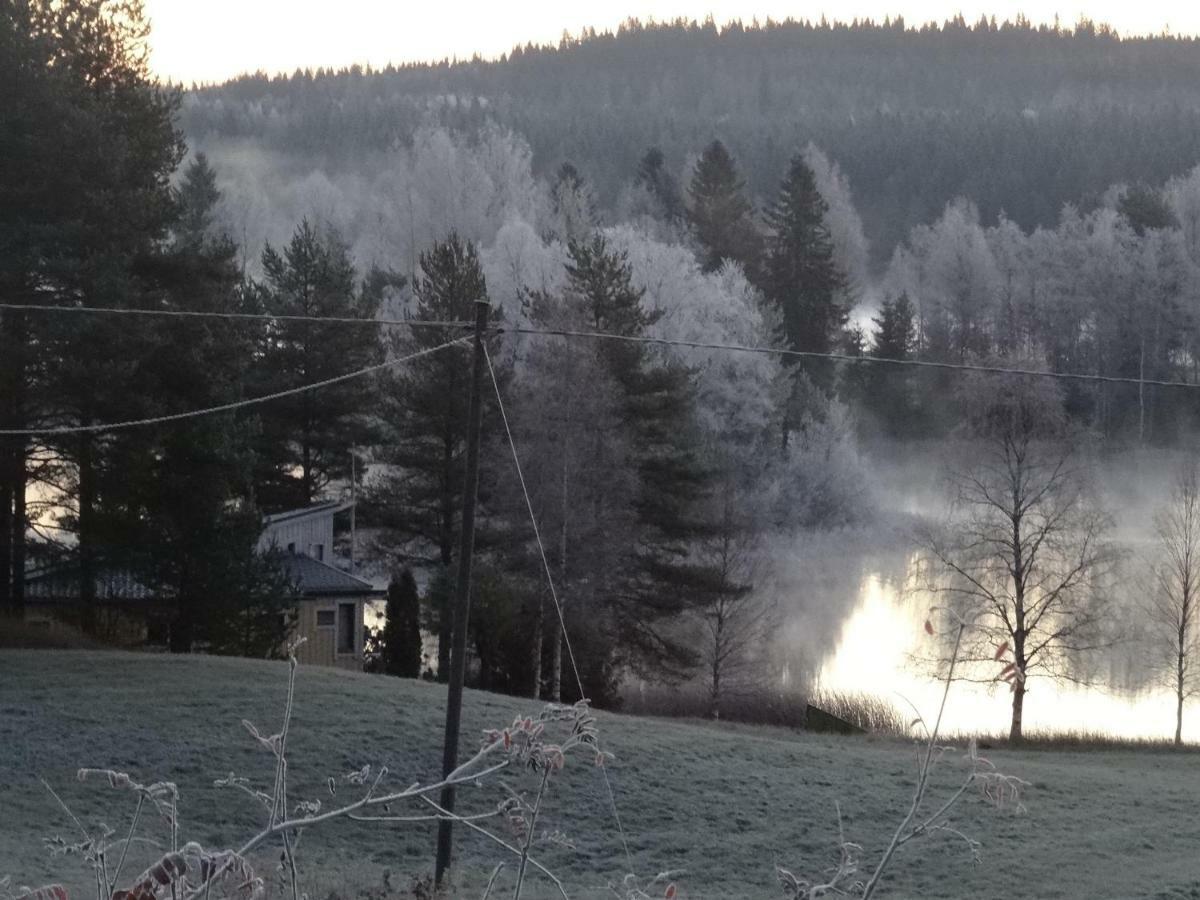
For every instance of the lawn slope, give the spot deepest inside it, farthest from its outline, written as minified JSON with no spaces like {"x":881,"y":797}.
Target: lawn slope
{"x":723,"y":804}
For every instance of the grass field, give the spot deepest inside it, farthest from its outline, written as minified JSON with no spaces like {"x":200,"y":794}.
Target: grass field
{"x":722,"y":803}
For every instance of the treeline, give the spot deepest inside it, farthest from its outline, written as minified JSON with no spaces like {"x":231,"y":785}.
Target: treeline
{"x":654,"y":477}
{"x":1020,"y":118}
{"x":91,"y":217}
{"x":659,"y":476}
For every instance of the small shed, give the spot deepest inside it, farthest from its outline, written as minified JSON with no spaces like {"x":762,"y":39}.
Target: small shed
{"x":330,"y":614}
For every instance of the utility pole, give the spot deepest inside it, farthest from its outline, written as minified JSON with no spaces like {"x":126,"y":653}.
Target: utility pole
{"x":462,"y":598}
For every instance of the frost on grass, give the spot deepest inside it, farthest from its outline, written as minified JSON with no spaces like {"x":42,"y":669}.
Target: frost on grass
{"x":925,"y":816}
{"x":539,"y":745}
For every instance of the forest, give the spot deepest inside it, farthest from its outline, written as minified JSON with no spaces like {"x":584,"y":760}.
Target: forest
{"x":949,"y":203}
{"x":1020,"y":118}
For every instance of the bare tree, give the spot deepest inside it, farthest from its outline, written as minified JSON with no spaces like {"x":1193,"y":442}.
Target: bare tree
{"x":1024,"y":555}
{"x":736,"y":619}
{"x":1172,"y":607}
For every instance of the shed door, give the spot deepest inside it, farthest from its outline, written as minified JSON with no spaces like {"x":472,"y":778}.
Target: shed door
{"x":346,"y":629}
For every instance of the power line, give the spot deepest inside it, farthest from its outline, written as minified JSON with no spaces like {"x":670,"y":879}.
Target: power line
{"x":600,"y":335}
{"x":847,"y":357}
{"x":226,"y":407}
{"x":212,"y":314}
{"x":537,"y":533}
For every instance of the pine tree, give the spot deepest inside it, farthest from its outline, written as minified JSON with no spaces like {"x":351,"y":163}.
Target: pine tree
{"x":83,"y":212}
{"x":183,"y":516}
{"x":416,"y":500}
{"x":719,"y":214}
{"x":307,"y":438}
{"x":402,"y":630}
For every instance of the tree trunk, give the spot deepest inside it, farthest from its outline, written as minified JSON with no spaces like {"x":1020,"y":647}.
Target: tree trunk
{"x":539,"y":625}
{"x":1179,"y":719}
{"x":1180,"y":677}
{"x":14,"y":337}
{"x":20,"y":523}
{"x":714,"y":700}
{"x":1018,"y":706}
{"x":444,"y":623}
{"x":1142,"y":393}
{"x":7,"y":570}
{"x":556,"y":630}
{"x":87,"y":536}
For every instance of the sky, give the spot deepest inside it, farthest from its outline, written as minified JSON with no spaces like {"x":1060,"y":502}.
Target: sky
{"x":194,"y":41}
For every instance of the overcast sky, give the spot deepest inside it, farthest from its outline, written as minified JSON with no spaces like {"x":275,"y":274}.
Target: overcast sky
{"x":215,"y":39}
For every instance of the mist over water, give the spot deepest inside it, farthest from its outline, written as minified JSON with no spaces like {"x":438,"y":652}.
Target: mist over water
{"x":856,"y":612}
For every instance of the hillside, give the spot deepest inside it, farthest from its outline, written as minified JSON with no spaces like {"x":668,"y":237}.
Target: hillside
{"x":723,"y":804}
{"x":1017,"y":118}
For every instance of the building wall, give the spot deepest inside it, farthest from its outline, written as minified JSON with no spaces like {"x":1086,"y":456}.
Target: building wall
{"x":305,"y":533}
{"x":320,"y":648}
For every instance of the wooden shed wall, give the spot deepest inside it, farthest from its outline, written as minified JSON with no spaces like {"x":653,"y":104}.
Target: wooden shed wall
{"x":321,"y":647}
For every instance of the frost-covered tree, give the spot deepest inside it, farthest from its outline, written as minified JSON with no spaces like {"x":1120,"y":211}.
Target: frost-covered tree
{"x":851,"y":251}
{"x":1183,"y":193}
{"x":573,"y":207}
{"x":1172,"y":608}
{"x":957,"y":284}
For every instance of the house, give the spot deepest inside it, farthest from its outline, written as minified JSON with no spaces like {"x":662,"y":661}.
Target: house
{"x":333,"y":602}
{"x":330,"y":613}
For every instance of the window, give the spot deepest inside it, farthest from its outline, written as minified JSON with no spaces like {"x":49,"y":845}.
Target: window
{"x":346,"y":629}
{"x":325,"y":618}
{"x":292,"y":548}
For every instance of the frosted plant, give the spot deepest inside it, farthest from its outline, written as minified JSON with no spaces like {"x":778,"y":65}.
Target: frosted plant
{"x":997,"y":789}
{"x":661,"y":885}
{"x":540,"y":744}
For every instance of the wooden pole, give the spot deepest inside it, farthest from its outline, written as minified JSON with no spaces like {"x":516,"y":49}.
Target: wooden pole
{"x":462,"y":598}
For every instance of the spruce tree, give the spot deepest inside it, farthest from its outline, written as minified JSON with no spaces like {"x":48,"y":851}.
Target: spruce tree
{"x":652,"y":174}
{"x":720,"y":216}
{"x":890,"y":393}
{"x":402,"y":630}
{"x":801,"y":277}
{"x":659,"y":582}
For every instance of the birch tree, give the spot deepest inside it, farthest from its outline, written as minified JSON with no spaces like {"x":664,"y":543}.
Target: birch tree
{"x":1024,"y":554}
{"x":1172,"y":606}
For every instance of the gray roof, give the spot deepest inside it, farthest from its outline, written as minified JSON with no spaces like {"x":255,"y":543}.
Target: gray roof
{"x":314,"y":578}
{"x":311,"y":577}
{"x":332,"y":506}
{"x":60,"y":584}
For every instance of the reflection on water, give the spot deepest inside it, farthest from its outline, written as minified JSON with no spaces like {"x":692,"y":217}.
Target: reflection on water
{"x":873,"y":654}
